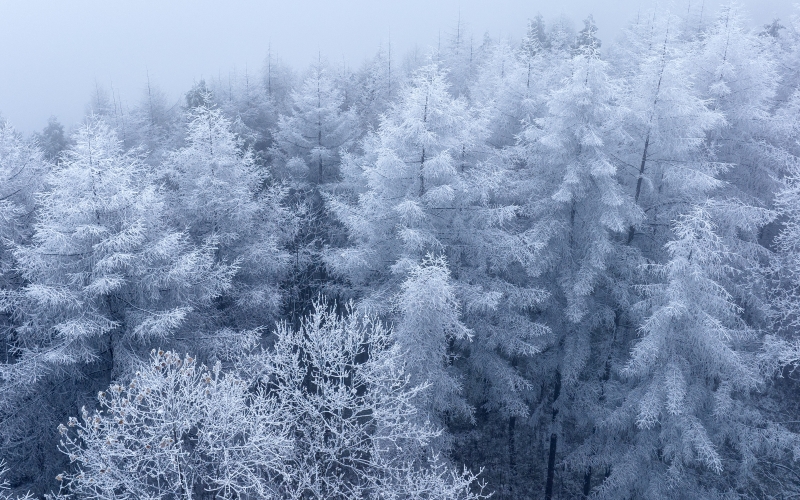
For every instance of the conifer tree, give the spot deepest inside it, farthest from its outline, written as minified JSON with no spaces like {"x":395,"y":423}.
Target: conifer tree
{"x":410,"y":171}
{"x":666,"y":160}
{"x":377,"y":85}
{"x":736,"y":72}
{"x":216,"y":192}
{"x":690,"y":415}
{"x":104,"y":278}
{"x":503,"y":76}
{"x":310,"y":139}
{"x":52,"y":140}
{"x":578,"y":210}
{"x":152,"y":124}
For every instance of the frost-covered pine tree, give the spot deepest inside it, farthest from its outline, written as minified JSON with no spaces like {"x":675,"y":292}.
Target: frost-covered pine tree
{"x":691,"y":415}
{"x":22,"y":166}
{"x":52,"y":140}
{"x":431,"y":323}
{"x":251,"y":108}
{"x":503,"y":77}
{"x":309,"y":142}
{"x":153,"y":124}
{"x":783,"y":345}
{"x":492,"y":252}
{"x":410,"y":170}
{"x":783,"y":37}
{"x":377,"y":84}
{"x":737,"y":73}
{"x":578,"y":211}
{"x":103,"y":269}
{"x":403,"y":209}
{"x":665,"y":161}
{"x":781,"y":353}
{"x":310,"y":139}
{"x":223,"y":200}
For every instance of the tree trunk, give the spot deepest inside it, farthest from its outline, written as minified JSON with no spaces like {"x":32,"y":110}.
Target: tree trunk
{"x":422,"y":174}
{"x":422,"y":160}
{"x":551,"y":460}
{"x":639,"y":181}
{"x":587,"y":482}
{"x":512,"y":452}
{"x":551,"y":467}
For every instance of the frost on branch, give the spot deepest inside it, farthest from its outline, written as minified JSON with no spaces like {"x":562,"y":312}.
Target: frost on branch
{"x":342,"y":384}
{"x":330,"y":415}
{"x":175,"y":430}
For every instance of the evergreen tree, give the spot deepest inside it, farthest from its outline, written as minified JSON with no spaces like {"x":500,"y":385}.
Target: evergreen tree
{"x":738,"y":75}
{"x":310,"y":139}
{"x":152,"y":124}
{"x":668,"y":164}
{"x":104,"y":278}
{"x":502,"y":79}
{"x":216,"y":192}
{"x":376,"y":87}
{"x":578,"y":209}
{"x":52,"y":140}
{"x":692,"y":424}
{"x":409,"y":171}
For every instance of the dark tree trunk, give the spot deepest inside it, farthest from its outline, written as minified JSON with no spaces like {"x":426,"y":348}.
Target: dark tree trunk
{"x":639,"y":181}
{"x":551,"y":467}
{"x":512,"y":452}
{"x":551,"y":460}
{"x":587,"y":482}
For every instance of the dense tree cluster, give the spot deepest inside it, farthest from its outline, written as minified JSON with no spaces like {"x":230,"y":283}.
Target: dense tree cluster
{"x":542,"y":268}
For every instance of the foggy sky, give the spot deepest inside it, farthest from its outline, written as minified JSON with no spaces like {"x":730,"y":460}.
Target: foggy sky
{"x":53,"y":53}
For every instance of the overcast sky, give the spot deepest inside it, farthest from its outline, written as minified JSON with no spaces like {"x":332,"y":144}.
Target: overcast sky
{"x":52,"y":53}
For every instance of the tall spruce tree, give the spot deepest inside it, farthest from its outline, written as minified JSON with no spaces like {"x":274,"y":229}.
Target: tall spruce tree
{"x":224,"y":201}
{"x":579,"y":209}
{"x":311,"y":137}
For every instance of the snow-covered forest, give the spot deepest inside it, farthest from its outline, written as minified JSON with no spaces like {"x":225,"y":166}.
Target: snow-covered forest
{"x":540,"y":268}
